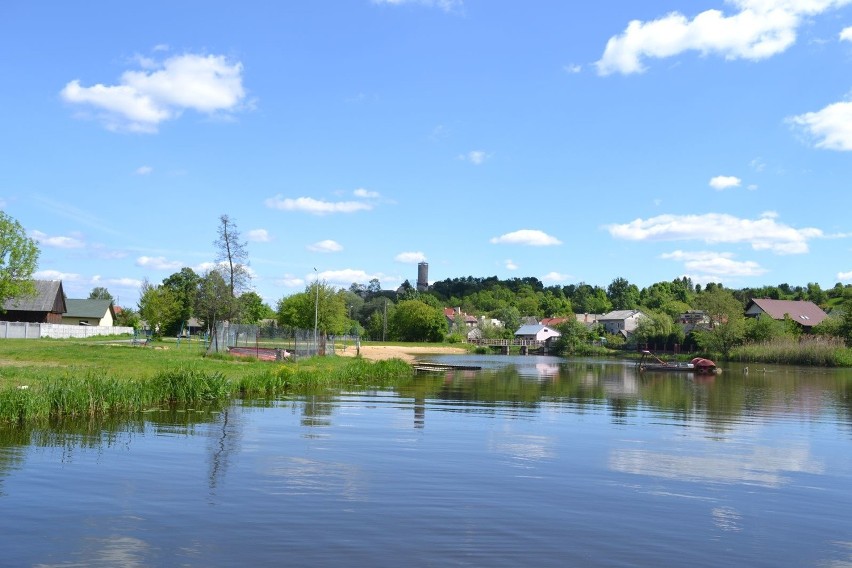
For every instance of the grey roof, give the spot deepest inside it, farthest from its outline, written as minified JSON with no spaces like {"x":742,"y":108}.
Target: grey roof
{"x":86,"y":308}
{"x":618,"y":315}
{"x":531,"y":329}
{"x":44,"y":299}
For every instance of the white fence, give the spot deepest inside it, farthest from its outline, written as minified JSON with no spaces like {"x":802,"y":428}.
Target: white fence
{"x":22,"y":330}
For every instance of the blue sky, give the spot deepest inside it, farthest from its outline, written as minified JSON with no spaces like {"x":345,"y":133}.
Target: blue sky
{"x":350,"y":140}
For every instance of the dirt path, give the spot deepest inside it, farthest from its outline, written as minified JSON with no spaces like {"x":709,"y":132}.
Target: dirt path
{"x":408,"y":354}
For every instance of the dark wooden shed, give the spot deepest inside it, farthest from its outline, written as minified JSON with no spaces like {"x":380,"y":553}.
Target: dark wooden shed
{"x":46,"y":306}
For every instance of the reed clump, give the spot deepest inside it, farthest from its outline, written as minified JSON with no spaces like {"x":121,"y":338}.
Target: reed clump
{"x":33,"y":389}
{"x":811,"y":351}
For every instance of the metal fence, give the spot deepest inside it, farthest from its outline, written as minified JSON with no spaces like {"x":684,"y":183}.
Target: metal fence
{"x":25,"y":330}
{"x":266,"y":341}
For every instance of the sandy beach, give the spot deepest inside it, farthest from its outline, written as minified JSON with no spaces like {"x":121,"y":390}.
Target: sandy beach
{"x":408,"y":354}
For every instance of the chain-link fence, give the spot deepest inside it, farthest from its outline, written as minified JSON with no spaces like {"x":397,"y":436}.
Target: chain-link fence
{"x":269,"y":342}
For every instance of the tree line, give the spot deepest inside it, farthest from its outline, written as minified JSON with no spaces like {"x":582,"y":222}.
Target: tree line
{"x":407,"y":314}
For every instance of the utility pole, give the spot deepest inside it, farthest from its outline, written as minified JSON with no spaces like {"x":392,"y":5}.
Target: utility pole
{"x":316,"y":311}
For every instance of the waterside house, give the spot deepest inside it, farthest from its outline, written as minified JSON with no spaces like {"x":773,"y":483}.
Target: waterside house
{"x":624,"y":322}
{"x":536,"y":332}
{"x":806,"y":314}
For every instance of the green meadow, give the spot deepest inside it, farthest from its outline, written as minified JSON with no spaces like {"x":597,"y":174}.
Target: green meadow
{"x":45,"y":379}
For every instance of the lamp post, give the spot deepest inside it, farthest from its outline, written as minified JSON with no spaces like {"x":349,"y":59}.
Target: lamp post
{"x":316,"y":311}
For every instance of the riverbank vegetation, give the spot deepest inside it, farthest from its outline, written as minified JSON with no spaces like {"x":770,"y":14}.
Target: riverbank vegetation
{"x":44,"y":380}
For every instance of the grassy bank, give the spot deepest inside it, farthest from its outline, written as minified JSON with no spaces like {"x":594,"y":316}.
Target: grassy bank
{"x":815,"y":351}
{"x":56,"y":379}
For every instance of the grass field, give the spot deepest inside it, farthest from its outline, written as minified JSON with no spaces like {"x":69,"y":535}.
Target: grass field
{"x":48,"y":379}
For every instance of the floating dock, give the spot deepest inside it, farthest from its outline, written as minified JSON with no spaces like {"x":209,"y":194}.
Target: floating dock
{"x":442,"y":367}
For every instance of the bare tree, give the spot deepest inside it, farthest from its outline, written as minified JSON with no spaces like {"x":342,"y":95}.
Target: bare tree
{"x":232,"y":254}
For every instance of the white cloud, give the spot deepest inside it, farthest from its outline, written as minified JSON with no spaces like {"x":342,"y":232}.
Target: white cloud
{"x":143,"y":170}
{"x":830,"y":128}
{"x":143,"y":99}
{"x":475,"y":157}
{"x":846,"y":34}
{"x":572,"y":68}
{"x":845,"y":276}
{"x":344,"y":278}
{"x":445,"y":5}
{"x":757,"y":164}
{"x":123,"y":282}
{"x":325,"y":246}
{"x":290,"y":281}
{"x":315,"y":206}
{"x":56,"y":275}
{"x":529,"y":237}
{"x":758,"y":30}
{"x":510,"y":265}
{"x":720,"y":183}
{"x":158,"y":263}
{"x":555,"y":277}
{"x":715,"y":263}
{"x":57,"y":242}
{"x":764,"y":233}
{"x":259,"y":236}
{"x":410,"y":257}
{"x":366,"y":193}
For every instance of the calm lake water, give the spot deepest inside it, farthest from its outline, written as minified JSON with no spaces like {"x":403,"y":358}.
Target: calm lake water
{"x":533,"y":461}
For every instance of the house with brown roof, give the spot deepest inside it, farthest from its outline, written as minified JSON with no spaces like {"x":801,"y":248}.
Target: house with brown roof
{"x":586,"y":319}
{"x":806,"y":314}
{"x":45,"y":306}
{"x":455,"y":314}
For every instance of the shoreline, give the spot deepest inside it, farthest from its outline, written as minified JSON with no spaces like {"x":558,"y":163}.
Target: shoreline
{"x":407,"y":354}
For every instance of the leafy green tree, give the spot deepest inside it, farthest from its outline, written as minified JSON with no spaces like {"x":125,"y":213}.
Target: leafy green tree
{"x":589,"y":299}
{"x":374,"y":287}
{"x":622,"y":294}
{"x":816,"y":294}
{"x":511,"y":318}
{"x":554,"y":303}
{"x":253,"y":309}
{"x":100,"y":293}
{"x":762,"y":329}
{"x":18,"y":260}
{"x":319,"y":304}
{"x":158,"y":307}
{"x":213,"y":299}
{"x":296,"y":311}
{"x":407,"y":292}
{"x":726,"y":320}
{"x":658,"y":329}
{"x":414,"y":320}
{"x":184,"y":286}
{"x":575,"y":337}
{"x":844,"y":330}
{"x":127,"y":317}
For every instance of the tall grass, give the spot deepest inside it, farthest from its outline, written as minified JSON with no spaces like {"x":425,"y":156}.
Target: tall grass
{"x":812,"y":351}
{"x":36,"y":389}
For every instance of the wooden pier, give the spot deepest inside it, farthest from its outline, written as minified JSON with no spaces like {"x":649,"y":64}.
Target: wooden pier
{"x":427,"y":367}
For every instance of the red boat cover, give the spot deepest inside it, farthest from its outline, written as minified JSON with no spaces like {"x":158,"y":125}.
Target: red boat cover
{"x":703,"y":363}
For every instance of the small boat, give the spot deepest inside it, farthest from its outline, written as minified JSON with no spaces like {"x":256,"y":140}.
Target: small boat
{"x":700,"y":365}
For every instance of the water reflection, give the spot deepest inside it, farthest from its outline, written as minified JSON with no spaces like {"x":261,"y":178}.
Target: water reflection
{"x":538,"y":462}
{"x":758,"y":466}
